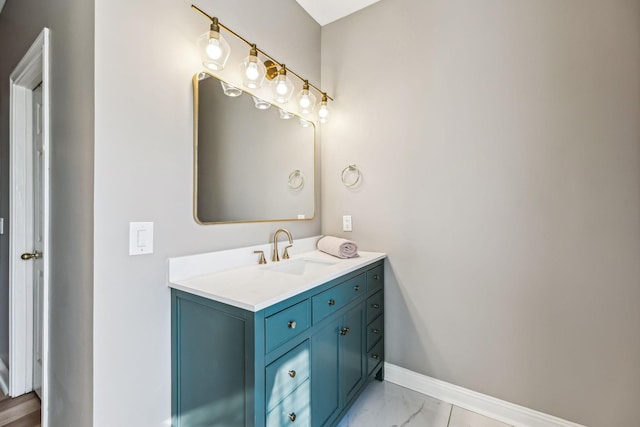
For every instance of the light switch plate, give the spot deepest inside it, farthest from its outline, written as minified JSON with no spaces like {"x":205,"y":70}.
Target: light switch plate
{"x":140,"y":238}
{"x":346,"y":223}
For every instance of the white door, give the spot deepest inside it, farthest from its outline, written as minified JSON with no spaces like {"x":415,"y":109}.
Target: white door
{"x":38,"y":239}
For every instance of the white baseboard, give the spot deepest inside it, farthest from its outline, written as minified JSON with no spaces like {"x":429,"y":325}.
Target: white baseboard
{"x":491,"y":407}
{"x":4,"y":377}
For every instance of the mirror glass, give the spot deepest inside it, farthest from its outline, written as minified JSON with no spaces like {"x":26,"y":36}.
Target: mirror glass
{"x":250,"y":164}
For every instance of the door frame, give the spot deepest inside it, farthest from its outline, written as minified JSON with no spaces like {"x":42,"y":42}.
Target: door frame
{"x":30,"y":71}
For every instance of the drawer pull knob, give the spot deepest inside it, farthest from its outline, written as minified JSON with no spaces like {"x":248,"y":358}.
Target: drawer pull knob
{"x":356,"y":288}
{"x":344,"y":331}
{"x":375,"y":356}
{"x":376,"y":277}
{"x":332,"y":302}
{"x":375,"y":331}
{"x":292,"y":373}
{"x":376,"y":306}
{"x":293,"y":324}
{"x":292,"y":416}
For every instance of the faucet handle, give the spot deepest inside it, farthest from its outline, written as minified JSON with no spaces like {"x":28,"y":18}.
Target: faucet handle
{"x":262,"y":259}
{"x":285,"y":254}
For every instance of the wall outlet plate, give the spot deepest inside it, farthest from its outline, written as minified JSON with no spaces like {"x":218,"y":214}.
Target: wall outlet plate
{"x":346,"y":223}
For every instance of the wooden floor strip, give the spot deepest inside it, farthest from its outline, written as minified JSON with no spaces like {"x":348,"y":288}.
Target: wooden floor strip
{"x":10,"y":403}
{"x":23,"y":411}
{"x":31,"y":420}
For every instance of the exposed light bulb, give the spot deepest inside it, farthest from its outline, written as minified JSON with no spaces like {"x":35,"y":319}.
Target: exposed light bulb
{"x":251,"y":71}
{"x":213,"y":48}
{"x":281,"y":87}
{"x":323,"y":111}
{"x":305,"y":101}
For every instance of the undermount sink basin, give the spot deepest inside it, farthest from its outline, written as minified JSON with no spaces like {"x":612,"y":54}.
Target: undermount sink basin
{"x":300,"y":266}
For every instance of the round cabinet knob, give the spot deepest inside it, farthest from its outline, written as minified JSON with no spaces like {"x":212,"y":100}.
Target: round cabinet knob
{"x":375,"y":356}
{"x":332,"y":302}
{"x":292,"y":373}
{"x":344,"y":331}
{"x":356,"y":288}
{"x":375,"y":331}
{"x":293,"y":324}
{"x":376,"y":306}
{"x":292,"y":416}
{"x":376,"y":277}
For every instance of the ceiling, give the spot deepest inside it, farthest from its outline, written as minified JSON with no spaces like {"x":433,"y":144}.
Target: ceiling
{"x":327,"y":11}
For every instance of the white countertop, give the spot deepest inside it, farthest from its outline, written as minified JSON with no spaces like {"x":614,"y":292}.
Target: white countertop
{"x":255,"y":287}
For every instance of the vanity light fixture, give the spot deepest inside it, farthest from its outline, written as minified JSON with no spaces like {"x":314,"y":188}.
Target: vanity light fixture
{"x":306,"y":99}
{"x":253,"y":70}
{"x":214,"y":49}
{"x":215,"y":52}
{"x":230,"y":90}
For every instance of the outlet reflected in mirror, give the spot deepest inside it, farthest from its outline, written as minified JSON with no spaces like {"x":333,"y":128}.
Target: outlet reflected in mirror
{"x":245,"y":159}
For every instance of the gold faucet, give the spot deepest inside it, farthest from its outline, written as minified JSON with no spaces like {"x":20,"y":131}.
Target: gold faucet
{"x":275,"y":256}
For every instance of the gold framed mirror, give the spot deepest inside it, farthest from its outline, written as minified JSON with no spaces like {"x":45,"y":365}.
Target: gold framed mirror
{"x":250,"y":164}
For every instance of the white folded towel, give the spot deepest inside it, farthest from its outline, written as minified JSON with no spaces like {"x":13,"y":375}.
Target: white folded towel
{"x":336,"y":246}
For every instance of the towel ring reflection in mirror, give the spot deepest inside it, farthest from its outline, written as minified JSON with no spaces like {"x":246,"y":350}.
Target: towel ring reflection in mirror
{"x":296,"y":180}
{"x":351,"y":176}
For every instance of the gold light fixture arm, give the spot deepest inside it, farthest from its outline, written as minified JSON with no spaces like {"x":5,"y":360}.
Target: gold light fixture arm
{"x":276,"y":62}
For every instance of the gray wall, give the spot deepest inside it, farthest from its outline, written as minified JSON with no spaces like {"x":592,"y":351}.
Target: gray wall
{"x":145,"y":59}
{"x":500,"y":146}
{"x":71,"y":24}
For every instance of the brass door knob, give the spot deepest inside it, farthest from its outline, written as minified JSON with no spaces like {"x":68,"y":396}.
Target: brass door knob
{"x":332,"y":302}
{"x":376,"y":306}
{"x":344,"y":331}
{"x":292,"y":373}
{"x":292,"y":416}
{"x":293,"y":324}
{"x":27,"y":256}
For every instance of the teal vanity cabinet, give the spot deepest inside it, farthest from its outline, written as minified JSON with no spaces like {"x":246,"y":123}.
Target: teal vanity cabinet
{"x":300,"y":362}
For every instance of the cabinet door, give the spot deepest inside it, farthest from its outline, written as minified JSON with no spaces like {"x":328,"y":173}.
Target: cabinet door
{"x":352,"y":353}
{"x":324,"y":373}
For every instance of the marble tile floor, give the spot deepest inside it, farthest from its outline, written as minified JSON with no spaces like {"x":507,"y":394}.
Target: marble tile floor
{"x":383,"y":404}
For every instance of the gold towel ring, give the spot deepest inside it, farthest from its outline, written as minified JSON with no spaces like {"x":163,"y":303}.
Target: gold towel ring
{"x":296,"y":180}
{"x":347,"y":176}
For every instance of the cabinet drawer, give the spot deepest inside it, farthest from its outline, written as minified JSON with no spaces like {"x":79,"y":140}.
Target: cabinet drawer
{"x":286,"y":373}
{"x":294,"y":410}
{"x":375,"y":278}
{"x":375,"y":331}
{"x":286,"y":324}
{"x":337,"y":297}
{"x":375,"y":306}
{"x":375,"y":356}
